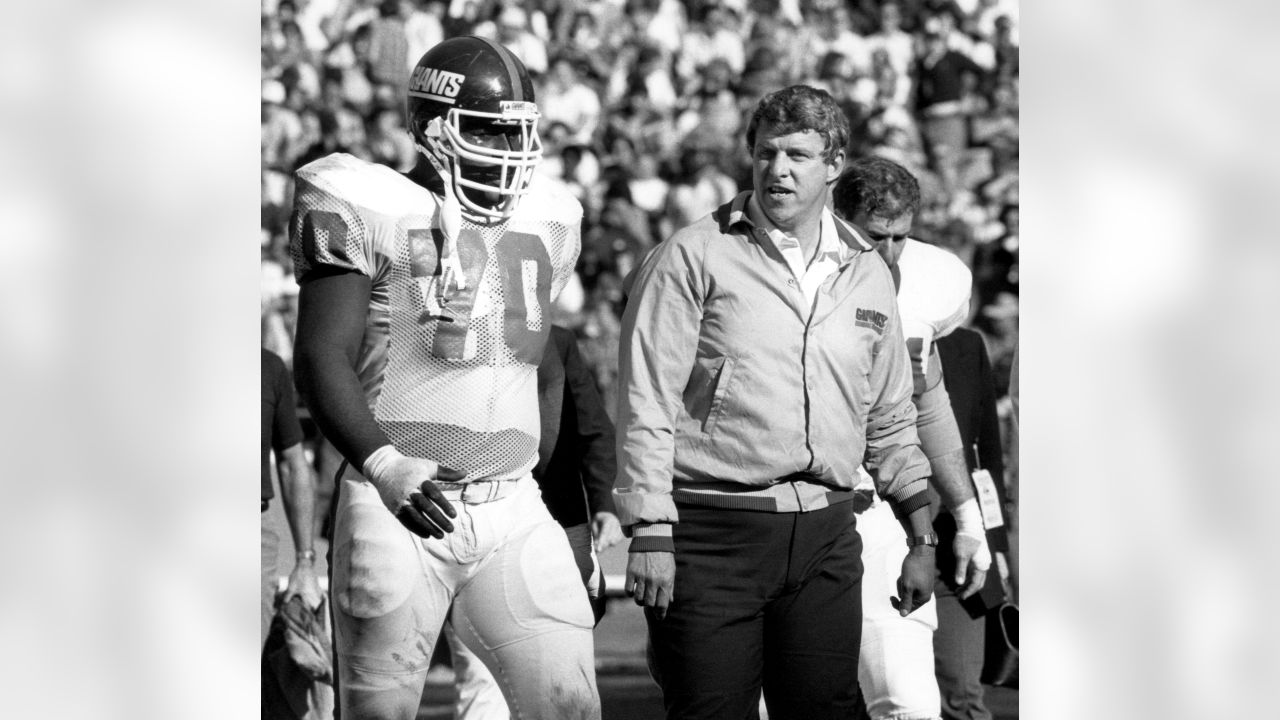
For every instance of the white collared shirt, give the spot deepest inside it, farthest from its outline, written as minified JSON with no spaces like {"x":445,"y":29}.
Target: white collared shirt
{"x":831,"y":252}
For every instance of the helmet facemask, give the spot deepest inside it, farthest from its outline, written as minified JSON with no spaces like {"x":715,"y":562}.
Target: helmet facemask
{"x":476,"y":173}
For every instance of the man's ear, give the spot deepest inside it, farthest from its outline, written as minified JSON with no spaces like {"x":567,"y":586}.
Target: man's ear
{"x":835,"y":166}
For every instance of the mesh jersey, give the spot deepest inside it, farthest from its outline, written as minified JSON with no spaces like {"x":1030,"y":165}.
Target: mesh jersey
{"x":449,"y":373}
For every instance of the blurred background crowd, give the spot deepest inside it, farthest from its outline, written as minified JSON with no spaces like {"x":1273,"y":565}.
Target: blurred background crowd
{"x":644,"y":106}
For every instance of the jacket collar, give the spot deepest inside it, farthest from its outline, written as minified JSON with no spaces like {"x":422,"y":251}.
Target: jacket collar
{"x":734,"y":212}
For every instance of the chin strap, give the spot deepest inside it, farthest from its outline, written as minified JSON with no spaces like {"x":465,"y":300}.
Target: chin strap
{"x":450,"y":215}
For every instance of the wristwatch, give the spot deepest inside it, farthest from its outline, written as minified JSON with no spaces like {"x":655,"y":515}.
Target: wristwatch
{"x":931,"y":540}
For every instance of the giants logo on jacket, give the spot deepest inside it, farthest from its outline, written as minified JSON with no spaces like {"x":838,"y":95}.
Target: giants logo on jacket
{"x":439,"y":85}
{"x":870,"y":319}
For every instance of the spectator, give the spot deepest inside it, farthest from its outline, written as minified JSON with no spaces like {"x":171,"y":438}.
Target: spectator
{"x":465,"y":17}
{"x":624,"y":227}
{"x":1006,"y":49}
{"x":703,"y":187}
{"x":514,"y":33}
{"x":584,"y":34}
{"x":566,"y":99}
{"x":310,"y":19}
{"x":835,"y":34}
{"x":663,"y":23}
{"x":282,"y":131}
{"x":986,"y":18}
{"x":389,"y":142}
{"x":389,"y":61}
{"x":652,"y":80}
{"x":346,"y":77}
{"x":940,"y":81}
{"x":710,"y":116}
{"x":422,"y":27}
{"x":648,"y":189}
{"x":899,"y":45}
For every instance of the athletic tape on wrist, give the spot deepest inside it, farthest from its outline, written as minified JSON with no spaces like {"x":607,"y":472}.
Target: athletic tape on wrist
{"x":969,"y":519}
{"x":380,"y":461}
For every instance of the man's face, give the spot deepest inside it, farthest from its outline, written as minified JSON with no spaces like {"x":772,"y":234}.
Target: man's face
{"x":493,"y":137}
{"x":889,"y":235}
{"x":790,"y":175}
{"x":890,"y":17}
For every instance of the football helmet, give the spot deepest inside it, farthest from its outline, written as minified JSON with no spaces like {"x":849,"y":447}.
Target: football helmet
{"x":471,"y":112}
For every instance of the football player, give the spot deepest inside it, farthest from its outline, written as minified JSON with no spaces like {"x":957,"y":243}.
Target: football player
{"x":424,"y":309}
{"x":896,"y":662}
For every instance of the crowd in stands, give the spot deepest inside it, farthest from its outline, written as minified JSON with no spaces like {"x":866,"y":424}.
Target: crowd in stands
{"x":644,"y":106}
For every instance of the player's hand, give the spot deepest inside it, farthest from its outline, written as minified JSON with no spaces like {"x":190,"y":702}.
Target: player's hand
{"x":407,"y":488}
{"x":1006,"y":578}
{"x":302,"y":583}
{"x":973,"y":560}
{"x":606,"y":529}
{"x":915,"y":585}
{"x":651,"y":579}
{"x":973,"y":557}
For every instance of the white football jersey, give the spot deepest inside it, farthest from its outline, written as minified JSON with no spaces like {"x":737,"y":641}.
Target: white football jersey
{"x":933,"y":296}
{"x":450,"y":372}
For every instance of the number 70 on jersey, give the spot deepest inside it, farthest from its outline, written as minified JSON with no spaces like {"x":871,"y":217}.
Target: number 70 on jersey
{"x":524,"y":298}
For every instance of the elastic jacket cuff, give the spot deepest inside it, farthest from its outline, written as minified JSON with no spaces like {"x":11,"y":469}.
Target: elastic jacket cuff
{"x":652,"y":543}
{"x":902,"y":507}
{"x":647,"y":529}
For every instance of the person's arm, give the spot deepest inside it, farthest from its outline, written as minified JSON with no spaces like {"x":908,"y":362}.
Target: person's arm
{"x":915,"y":583}
{"x":893,"y":454}
{"x":298,"y":487}
{"x":896,"y":462}
{"x":940,"y":436}
{"x":332,"y":309}
{"x":597,"y":454}
{"x":940,"y":440}
{"x":968,"y":64}
{"x":657,"y":349}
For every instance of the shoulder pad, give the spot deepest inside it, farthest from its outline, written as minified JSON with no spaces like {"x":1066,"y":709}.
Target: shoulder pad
{"x":367,"y":185}
{"x":935,"y":287}
{"x":550,"y":200}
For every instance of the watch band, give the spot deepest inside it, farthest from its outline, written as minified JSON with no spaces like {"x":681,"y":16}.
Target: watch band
{"x":931,"y":540}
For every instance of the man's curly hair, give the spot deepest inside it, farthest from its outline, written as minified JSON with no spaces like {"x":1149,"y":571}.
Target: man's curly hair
{"x":876,"y":186}
{"x":799,"y":108}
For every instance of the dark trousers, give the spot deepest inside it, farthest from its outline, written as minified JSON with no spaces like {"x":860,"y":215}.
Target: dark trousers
{"x":762,"y":599}
{"x":958,"y":653}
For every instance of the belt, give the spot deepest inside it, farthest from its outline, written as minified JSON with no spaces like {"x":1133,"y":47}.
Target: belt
{"x":265,"y":503}
{"x":477,"y":492}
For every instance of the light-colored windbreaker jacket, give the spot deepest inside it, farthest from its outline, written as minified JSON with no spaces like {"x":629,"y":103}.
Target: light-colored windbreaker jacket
{"x":733,"y":394}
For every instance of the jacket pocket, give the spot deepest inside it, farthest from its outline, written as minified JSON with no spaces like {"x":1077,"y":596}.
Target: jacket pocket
{"x":704,"y":395}
{"x":721,"y":392}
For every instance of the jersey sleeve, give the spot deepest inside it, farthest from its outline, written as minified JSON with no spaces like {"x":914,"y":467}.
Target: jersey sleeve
{"x":568,"y":260}
{"x":325,"y":229}
{"x":933,"y":299}
{"x":562,"y":215}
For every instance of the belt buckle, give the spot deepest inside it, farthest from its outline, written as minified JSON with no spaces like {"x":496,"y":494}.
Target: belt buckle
{"x":489,"y":491}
